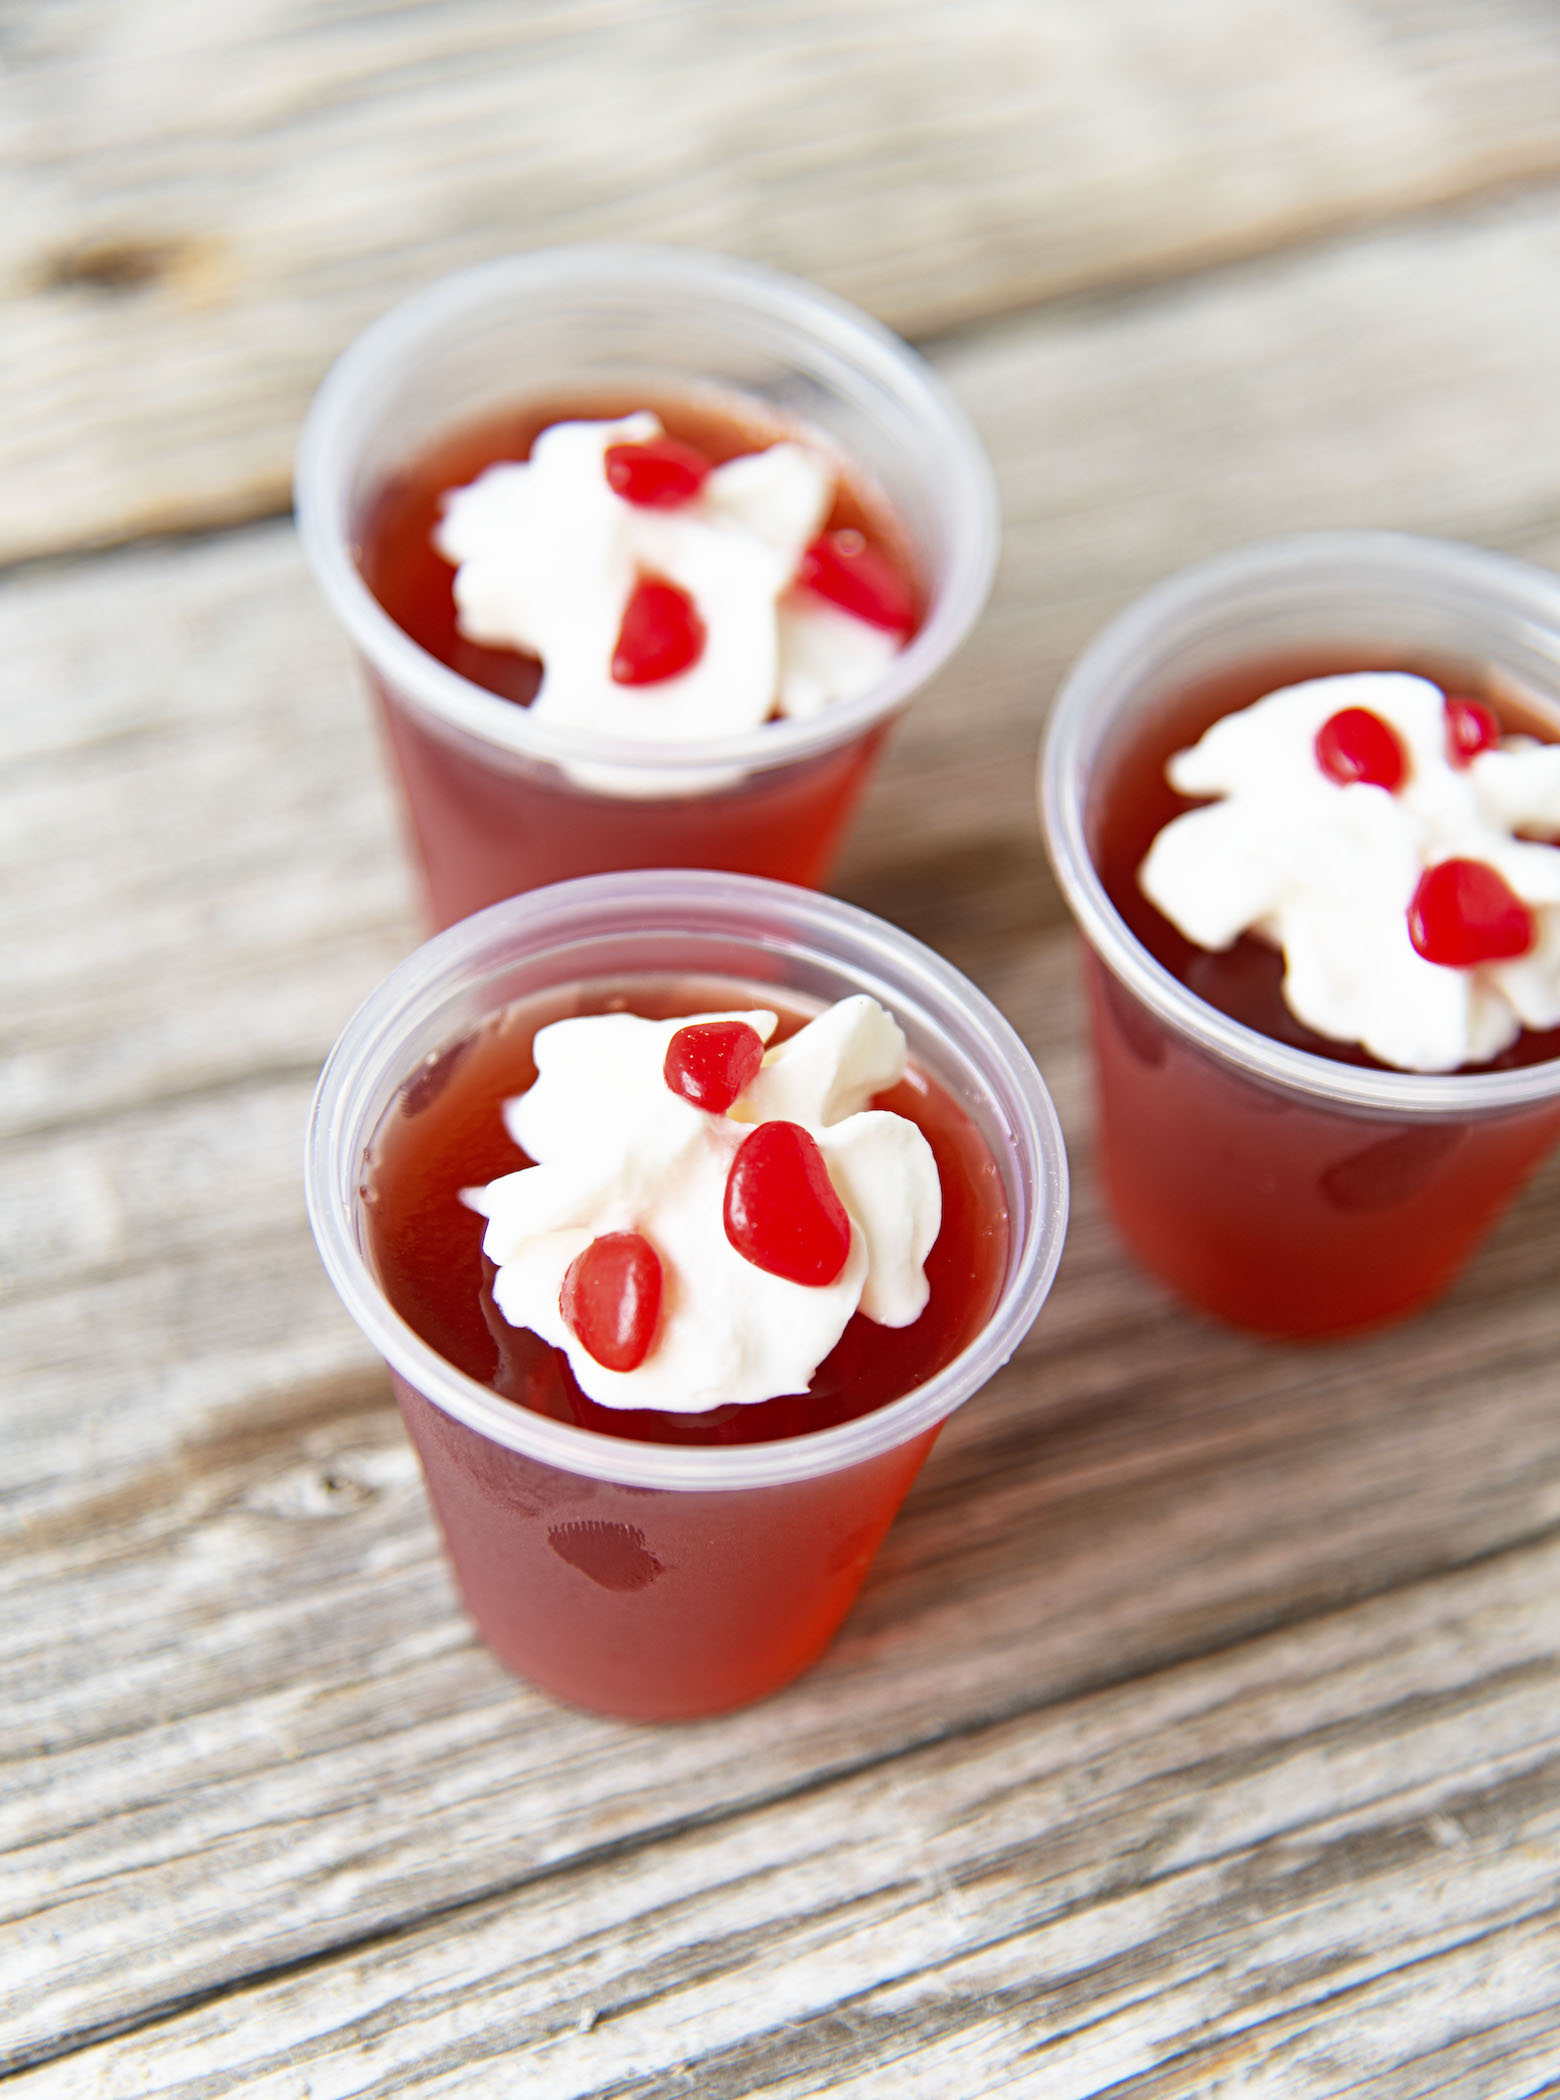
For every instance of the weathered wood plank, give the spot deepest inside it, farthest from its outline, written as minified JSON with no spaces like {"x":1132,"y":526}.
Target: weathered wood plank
{"x":192,"y":709}
{"x":1214,"y":1877}
{"x":202,"y":1471}
{"x":203,"y":208}
{"x":266,"y":1608}
{"x":190,"y":790}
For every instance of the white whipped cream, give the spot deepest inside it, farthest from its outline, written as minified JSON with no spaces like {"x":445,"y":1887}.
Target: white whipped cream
{"x":1327,"y":872}
{"x":547,"y":555}
{"x":617,"y":1150}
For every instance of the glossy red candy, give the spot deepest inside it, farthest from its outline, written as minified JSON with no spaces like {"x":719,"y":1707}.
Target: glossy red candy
{"x":845,"y":569}
{"x":1471,"y":727}
{"x":658,"y":474}
{"x":661,"y":635}
{"x":782,"y":1213}
{"x":1355,"y":745}
{"x":1464,"y":914}
{"x":611,"y":1299}
{"x":710,"y":1062}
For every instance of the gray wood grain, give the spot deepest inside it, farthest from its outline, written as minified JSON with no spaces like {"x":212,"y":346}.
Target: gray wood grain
{"x":1151,"y":1889}
{"x":201,"y":209}
{"x":1197,"y":1730}
{"x":279,"y":1739}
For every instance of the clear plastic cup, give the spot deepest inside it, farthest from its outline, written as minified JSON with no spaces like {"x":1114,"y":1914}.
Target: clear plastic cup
{"x":1278,"y":1189}
{"x":498,"y":802}
{"x":648,"y":1580}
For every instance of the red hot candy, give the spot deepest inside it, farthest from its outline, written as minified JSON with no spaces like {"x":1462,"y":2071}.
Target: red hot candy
{"x":661,"y":635}
{"x":710,"y":1062}
{"x":782,"y":1213}
{"x":659,"y":474}
{"x":1464,"y":914}
{"x":611,"y":1299}
{"x":1471,"y":727}
{"x":1355,"y":745}
{"x":843,"y":568}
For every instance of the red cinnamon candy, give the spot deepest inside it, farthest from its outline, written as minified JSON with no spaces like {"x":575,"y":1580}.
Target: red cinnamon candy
{"x":1357,"y":745}
{"x":846,"y":569}
{"x":1464,"y":913}
{"x":662,"y":634}
{"x":1471,"y":727}
{"x":711,"y":1062}
{"x":658,"y":473}
{"x":611,"y":1299}
{"x":782,"y":1212}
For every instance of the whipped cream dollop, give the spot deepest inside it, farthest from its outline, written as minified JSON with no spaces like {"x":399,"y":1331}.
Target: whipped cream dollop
{"x":1357,"y":878}
{"x":619,"y":1150}
{"x":548,"y":556}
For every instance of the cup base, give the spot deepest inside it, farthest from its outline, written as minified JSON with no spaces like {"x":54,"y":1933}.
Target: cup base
{"x":482,"y":832}
{"x":647,"y":1605}
{"x":1279,"y":1214}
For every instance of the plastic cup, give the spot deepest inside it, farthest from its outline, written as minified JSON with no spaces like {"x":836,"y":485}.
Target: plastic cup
{"x":1278,"y":1189}
{"x":646,"y":1580}
{"x":497,"y":802}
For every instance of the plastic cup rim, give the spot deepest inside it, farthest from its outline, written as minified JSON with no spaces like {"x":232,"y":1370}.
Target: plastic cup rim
{"x":967,"y":491}
{"x":1104,"y":666}
{"x":816,"y":923}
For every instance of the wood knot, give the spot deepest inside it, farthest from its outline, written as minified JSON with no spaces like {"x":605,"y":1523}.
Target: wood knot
{"x":112,"y":266}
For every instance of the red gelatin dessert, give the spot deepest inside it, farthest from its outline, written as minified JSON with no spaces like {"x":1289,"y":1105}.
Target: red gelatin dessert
{"x":1265,"y":1204}
{"x":447,"y":1134}
{"x":401,"y":563}
{"x":721,"y":1595}
{"x":779,"y":506}
{"x":485,"y":830}
{"x":666,"y":1408}
{"x":1135,"y":802}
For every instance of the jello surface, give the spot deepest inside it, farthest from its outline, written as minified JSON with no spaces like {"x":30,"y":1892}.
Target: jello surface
{"x":448,"y":1134}
{"x":1379,"y":884}
{"x":671,"y":570}
{"x":706,"y":1215}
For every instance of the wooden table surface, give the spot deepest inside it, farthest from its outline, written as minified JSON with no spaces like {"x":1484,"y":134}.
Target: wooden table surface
{"x":1199,"y":1730}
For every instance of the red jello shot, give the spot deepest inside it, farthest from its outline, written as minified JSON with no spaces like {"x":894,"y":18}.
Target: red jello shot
{"x":731,"y":357}
{"x":659,"y":1565}
{"x":1286,"y":1182}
